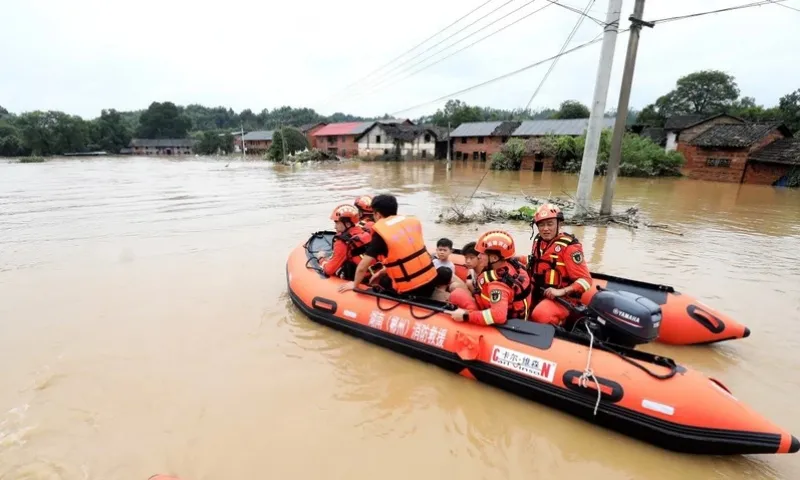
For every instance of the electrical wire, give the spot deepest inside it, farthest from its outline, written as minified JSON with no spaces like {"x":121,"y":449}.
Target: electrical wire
{"x":506,"y":75}
{"x":418,"y":45}
{"x":441,"y":41}
{"x":710,"y":12}
{"x":563,"y":47}
{"x":784,"y":6}
{"x":383,"y":85}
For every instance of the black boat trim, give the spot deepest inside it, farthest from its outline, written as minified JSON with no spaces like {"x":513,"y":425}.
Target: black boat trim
{"x":668,"y":435}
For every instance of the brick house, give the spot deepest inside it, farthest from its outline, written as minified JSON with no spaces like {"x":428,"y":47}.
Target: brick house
{"x":257,"y":142}
{"x":722,"y":152}
{"x":682,"y":129}
{"x":309,"y":130}
{"x":161,"y":146}
{"x":341,"y":138}
{"x":532,"y":131}
{"x":479,"y":140}
{"x":773,"y":163}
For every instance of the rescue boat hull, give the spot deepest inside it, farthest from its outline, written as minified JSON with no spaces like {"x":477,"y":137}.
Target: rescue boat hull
{"x":684,"y":319}
{"x":685,"y":413}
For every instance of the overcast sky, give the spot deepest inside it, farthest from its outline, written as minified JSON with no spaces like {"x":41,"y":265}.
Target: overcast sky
{"x":81,"y":56}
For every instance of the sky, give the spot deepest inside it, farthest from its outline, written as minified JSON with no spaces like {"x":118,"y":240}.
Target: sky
{"x":81,"y":56}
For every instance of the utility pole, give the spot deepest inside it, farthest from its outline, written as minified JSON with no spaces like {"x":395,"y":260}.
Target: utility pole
{"x":622,"y":108}
{"x":589,"y":162}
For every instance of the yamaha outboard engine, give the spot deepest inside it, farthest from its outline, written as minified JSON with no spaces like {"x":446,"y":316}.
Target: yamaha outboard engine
{"x":624,"y":318}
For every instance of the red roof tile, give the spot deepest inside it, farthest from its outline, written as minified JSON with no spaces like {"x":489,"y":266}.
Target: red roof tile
{"x":346,"y":128}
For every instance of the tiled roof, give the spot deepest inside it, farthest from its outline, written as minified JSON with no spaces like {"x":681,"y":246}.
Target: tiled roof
{"x":572,"y":126}
{"x":475,"y":129}
{"x":308,"y":126}
{"x":390,"y":121}
{"x":404,"y":132}
{"x":785,"y":150}
{"x":258,"y":135}
{"x":682,"y":122}
{"x":163,"y":142}
{"x":484,"y":129}
{"x":737,"y":135}
{"x":679,"y":122}
{"x":346,"y":128}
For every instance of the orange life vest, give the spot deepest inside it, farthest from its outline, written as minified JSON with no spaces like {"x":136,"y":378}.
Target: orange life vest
{"x":518,"y":280}
{"x":356,"y":240}
{"x":408,"y":262}
{"x":545,"y":265}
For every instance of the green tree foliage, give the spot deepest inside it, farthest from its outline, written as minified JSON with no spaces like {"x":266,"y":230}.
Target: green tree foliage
{"x":110,"y":132}
{"x":211,"y":143}
{"x":163,"y":120}
{"x":789,"y":106}
{"x":295,"y":142}
{"x":456,"y":112}
{"x":571,"y":109}
{"x":510,"y":157}
{"x":640,"y":156}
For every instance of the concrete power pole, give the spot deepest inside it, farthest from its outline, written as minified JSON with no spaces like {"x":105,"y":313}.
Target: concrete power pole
{"x":584,"y":193}
{"x":449,"y":162}
{"x":622,"y":108}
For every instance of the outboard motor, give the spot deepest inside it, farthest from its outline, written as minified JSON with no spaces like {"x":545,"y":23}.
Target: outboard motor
{"x":624,"y":318}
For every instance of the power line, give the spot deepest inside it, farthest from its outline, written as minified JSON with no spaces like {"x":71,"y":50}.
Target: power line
{"x":381,"y":84}
{"x":785,"y":6}
{"x":418,"y":45}
{"x":563,"y":47}
{"x":442,"y":41}
{"x":507,"y":75}
{"x":700,"y":14}
{"x":461,"y":40}
{"x":583,"y":13}
{"x":574,"y":49}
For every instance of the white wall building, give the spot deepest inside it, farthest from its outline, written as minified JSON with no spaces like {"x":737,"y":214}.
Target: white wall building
{"x":415,"y":141}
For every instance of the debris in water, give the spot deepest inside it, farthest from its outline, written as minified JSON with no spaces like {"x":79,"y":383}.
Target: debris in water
{"x":574,"y":214}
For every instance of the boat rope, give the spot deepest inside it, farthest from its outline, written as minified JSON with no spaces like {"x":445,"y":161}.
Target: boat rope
{"x":433,"y":311}
{"x":583,"y":381}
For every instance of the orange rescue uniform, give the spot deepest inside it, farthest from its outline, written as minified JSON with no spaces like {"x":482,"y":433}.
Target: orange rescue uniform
{"x":408,"y":263}
{"x":348,"y":247}
{"x":557,"y":264}
{"x":504,"y":293}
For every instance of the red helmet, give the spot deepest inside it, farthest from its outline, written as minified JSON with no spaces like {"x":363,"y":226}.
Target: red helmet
{"x":364,"y":203}
{"x":496,"y":240}
{"x":546,"y":212}
{"x":345,"y":212}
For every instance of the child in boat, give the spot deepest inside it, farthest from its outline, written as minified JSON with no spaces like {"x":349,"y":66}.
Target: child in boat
{"x":444,"y":247}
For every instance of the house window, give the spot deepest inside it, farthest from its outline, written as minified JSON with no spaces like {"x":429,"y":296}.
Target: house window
{"x":341,"y":139}
{"x":474,"y":155}
{"x":424,"y":154}
{"x":483,"y":156}
{"x":458,"y":155}
{"x":427,"y":138}
{"x":463,"y":139}
{"x":505,"y":139}
{"x":377,"y":139}
{"x":480,"y":139}
{"x":718,"y":162}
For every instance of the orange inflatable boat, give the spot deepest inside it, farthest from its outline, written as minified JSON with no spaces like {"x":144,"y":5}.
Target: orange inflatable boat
{"x":685,"y":320}
{"x":636,"y":393}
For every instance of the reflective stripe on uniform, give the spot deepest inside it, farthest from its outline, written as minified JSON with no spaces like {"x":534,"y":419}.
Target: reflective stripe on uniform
{"x":583,"y":283}
{"x":487,"y":316}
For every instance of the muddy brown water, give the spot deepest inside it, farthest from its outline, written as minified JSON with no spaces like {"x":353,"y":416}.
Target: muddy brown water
{"x":145,"y":327}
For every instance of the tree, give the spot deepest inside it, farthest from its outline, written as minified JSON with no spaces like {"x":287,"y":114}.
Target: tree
{"x":11,"y":144}
{"x":571,"y":109}
{"x":211,"y":142}
{"x":163,"y":120}
{"x":510,"y":157}
{"x":789,"y":107}
{"x":295,"y":142}
{"x":111,"y":132}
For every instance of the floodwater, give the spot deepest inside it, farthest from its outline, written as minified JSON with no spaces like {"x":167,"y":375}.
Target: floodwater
{"x":145,"y":327}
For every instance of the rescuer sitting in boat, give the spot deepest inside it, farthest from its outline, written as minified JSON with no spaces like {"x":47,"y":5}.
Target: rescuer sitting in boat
{"x":557,"y":267}
{"x":504,"y":289}
{"x":397,"y":242}
{"x":349,"y":243}
{"x":364,"y":206}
